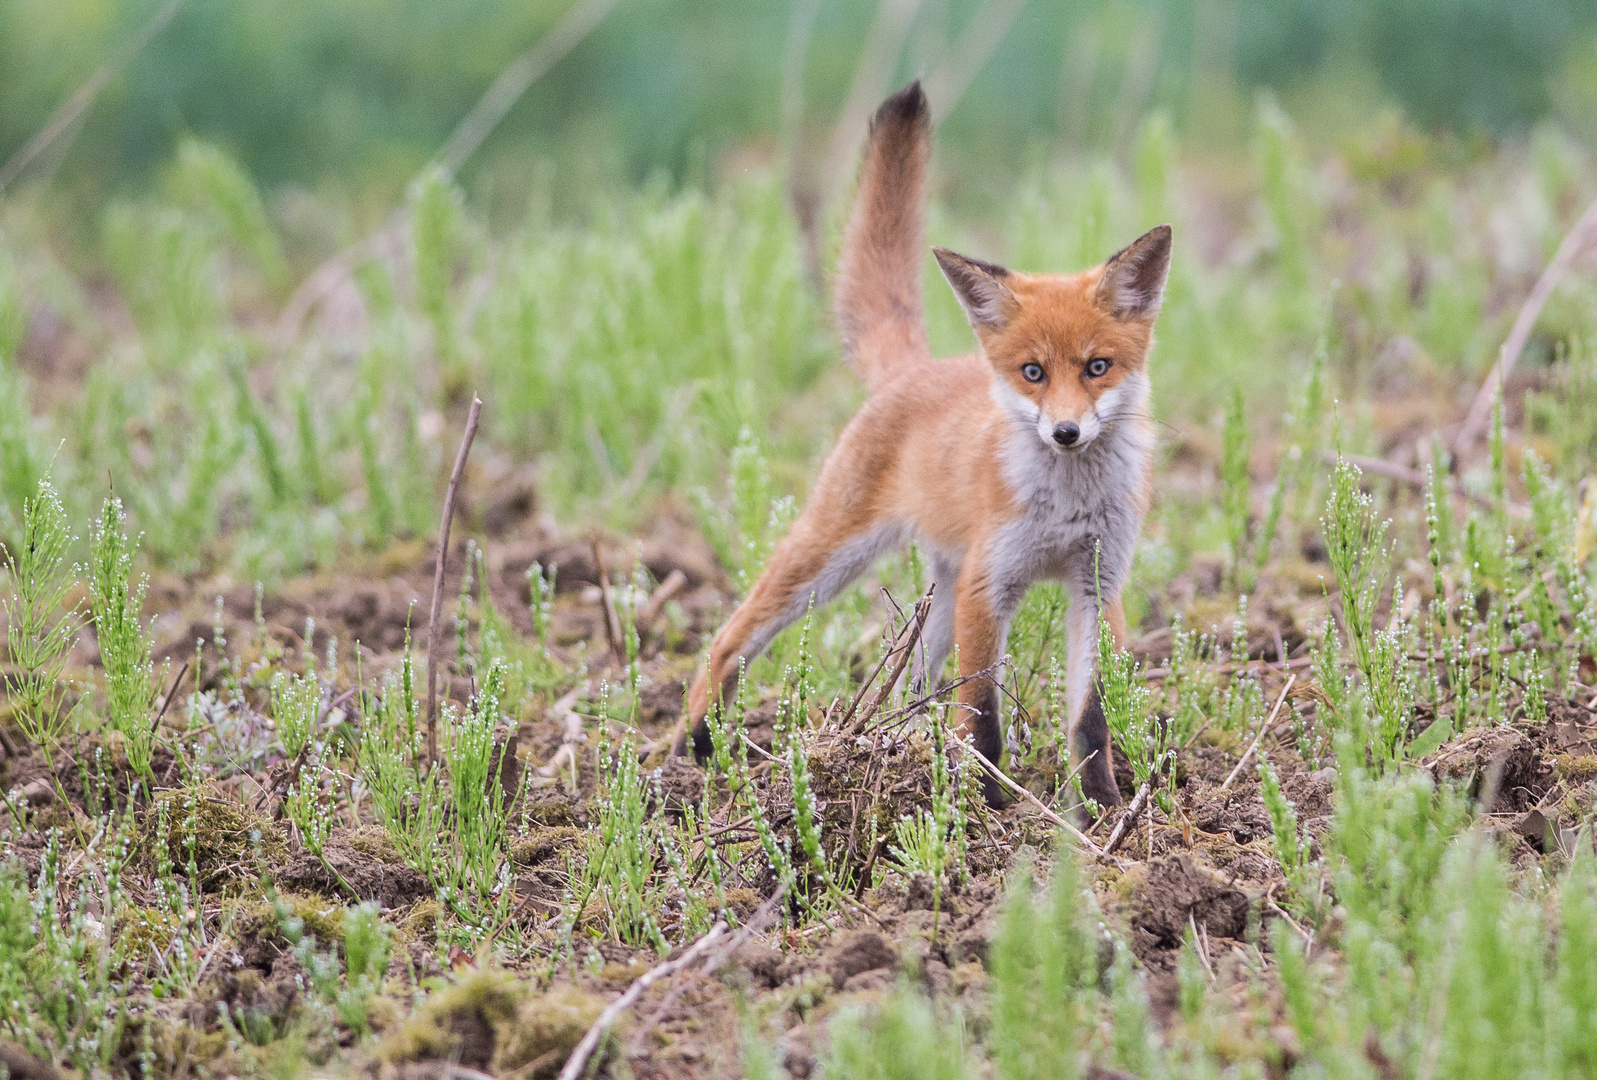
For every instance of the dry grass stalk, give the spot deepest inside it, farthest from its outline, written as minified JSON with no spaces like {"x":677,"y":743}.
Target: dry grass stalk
{"x":590,"y":1041}
{"x":998,"y":774}
{"x":468,"y":135}
{"x":70,"y":111}
{"x":1574,"y":242}
{"x":438,"y":576}
{"x":1254,"y":745}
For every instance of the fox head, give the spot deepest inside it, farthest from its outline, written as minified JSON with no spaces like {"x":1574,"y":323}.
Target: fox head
{"x":1068,"y":350}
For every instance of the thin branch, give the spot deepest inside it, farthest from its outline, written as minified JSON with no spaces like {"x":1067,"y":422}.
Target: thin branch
{"x":906,"y":652}
{"x":1254,"y":745}
{"x":673,"y":584}
{"x":468,"y":135}
{"x":998,"y":774}
{"x":166,"y":702}
{"x":438,"y":576}
{"x":607,"y":604}
{"x":1574,"y":242}
{"x":514,"y":80}
{"x":879,"y":56}
{"x":982,"y":35}
{"x":790,"y":110}
{"x":1403,"y":475}
{"x":1123,"y":827}
{"x":712,"y":963}
{"x":904,"y":640}
{"x":590,"y":1041}
{"x":69,"y":111}
{"x":326,"y":279}
{"x":1232,"y":667}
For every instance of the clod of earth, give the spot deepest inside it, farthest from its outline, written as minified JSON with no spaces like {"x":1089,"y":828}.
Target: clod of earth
{"x":543,"y":842}
{"x":1176,"y":895}
{"x":1497,"y":765}
{"x":864,"y":951}
{"x":18,"y":1064}
{"x":681,"y":783}
{"x":344,"y":866}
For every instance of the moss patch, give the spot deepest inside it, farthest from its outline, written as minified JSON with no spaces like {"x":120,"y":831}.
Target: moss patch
{"x":324,"y":918}
{"x":543,"y":843}
{"x":1576,"y":768}
{"x":374,"y":841}
{"x":146,"y":933}
{"x":491,"y":1021}
{"x":547,"y":1028}
{"x":220,"y":835}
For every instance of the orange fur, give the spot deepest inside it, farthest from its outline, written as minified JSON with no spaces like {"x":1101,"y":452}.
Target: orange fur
{"x":966,"y":455}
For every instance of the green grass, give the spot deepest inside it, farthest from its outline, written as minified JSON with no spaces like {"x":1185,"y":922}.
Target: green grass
{"x":669,"y":354}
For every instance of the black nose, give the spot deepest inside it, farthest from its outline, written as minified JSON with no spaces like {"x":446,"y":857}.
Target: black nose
{"x":1066,"y":434}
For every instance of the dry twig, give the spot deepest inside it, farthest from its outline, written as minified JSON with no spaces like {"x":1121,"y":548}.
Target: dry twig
{"x":571,"y":733}
{"x":1574,"y":242}
{"x":983,"y":33}
{"x":673,"y":583}
{"x":468,"y":135}
{"x":72,"y":109}
{"x":1254,"y":745}
{"x":438,"y":576}
{"x":166,"y":702}
{"x":998,"y":774}
{"x":612,"y":621}
{"x":517,"y":76}
{"x":1123,"y":827}
{"x":590,"y":1042}
{"x":884,"y":41}
{"x":1404,"y":475}
{"x":904,"y":649}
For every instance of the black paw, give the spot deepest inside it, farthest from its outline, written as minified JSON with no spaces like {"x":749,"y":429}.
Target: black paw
{"x":1092,"y":746}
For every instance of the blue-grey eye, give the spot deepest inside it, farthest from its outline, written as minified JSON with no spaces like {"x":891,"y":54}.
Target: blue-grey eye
{"x":1031,"y":373}
{"x":1097,"y":366}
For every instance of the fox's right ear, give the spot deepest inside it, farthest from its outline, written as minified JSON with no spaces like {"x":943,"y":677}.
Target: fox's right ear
{"x":980,"y":288}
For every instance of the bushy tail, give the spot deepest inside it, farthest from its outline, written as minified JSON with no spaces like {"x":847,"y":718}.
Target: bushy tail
{"x":878,"y":288}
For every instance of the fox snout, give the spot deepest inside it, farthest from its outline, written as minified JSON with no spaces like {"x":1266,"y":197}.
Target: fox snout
{"x":1068,"y":434}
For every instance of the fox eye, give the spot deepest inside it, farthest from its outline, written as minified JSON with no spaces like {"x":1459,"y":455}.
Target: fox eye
{"x":1097,"y":366}
{"x":1032,"y":373}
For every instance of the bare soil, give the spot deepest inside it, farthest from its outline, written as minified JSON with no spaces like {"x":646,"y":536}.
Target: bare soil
{"x":1207,"y":870}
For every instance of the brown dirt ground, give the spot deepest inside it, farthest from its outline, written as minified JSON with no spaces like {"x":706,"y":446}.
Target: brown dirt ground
{"x":1210,"y":869}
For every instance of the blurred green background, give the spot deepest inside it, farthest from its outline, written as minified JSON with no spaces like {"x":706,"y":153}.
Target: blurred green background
{"x":358,"y":93}
{"x":632,"y":270}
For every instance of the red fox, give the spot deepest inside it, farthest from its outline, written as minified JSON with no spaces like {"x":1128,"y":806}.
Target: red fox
{"x":1028,"y":460}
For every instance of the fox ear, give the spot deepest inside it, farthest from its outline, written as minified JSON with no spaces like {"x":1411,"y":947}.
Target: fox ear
{"x":1132,"y":285}
{"x":980,"y":288}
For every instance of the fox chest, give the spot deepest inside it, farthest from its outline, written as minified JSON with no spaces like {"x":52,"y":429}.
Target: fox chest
{"x":1079,"y":517}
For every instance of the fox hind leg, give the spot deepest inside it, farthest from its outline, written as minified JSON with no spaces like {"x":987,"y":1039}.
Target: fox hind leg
{"x":802,"y":571}
{"x":937,"y":636}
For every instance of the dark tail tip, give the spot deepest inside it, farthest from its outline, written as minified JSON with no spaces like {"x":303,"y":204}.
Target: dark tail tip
{"x":907,"y":107}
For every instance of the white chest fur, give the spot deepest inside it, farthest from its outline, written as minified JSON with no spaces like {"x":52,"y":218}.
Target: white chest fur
{"x":1076,"y":504}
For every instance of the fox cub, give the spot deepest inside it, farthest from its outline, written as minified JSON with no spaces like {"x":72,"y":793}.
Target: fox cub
{"x":1028,"y":460}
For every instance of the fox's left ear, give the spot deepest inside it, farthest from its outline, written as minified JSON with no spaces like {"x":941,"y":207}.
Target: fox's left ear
{"x":1132,"y":285}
